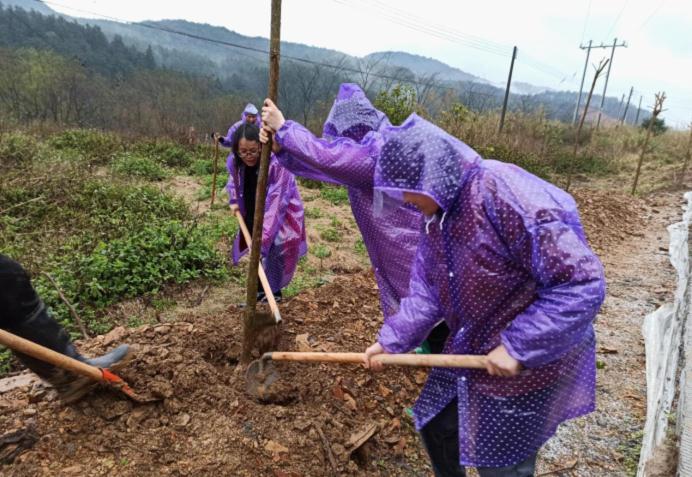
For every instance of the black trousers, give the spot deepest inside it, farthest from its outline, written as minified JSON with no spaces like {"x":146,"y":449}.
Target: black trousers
{"x":441,"y":439}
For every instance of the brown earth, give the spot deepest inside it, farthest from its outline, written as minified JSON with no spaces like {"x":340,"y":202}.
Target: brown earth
{"x":206,"y":424}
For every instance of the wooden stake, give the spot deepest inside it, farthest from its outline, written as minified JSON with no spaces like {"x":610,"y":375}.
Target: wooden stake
{"x":216,"y":166}
{"x":249,"y":324}
{"x":658,"y":107}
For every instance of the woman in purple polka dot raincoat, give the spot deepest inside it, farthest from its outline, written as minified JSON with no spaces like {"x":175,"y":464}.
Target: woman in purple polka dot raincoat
{"x":283,"y":234}
{"x":345,"y":156}
{"x":249,"y":116}
{"x":504,"y":260}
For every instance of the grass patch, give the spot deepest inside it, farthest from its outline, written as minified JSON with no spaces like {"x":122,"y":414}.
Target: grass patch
{"x":331,"y":235}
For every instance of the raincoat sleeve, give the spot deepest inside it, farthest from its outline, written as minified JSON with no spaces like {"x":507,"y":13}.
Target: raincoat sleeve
{"x":227,"y":140}
{"x":231,"y":189}
{"x":342,"y":161}
{"x":418,"y":313}
{"x":551,"y":247}
{"x":279,"y":181}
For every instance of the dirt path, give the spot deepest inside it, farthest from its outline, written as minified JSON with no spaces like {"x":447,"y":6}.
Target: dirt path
{"x":640,"y":279}
{"x":205,"y":424}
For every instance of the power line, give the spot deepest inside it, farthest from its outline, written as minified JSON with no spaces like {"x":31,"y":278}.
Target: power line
{"x":256,"y":50}
{"x":617,"y":19}
{"x":586,"y":21}
{"x":407,"y":20}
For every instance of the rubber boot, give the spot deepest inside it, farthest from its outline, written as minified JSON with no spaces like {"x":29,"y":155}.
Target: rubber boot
{"x":40,"y":328}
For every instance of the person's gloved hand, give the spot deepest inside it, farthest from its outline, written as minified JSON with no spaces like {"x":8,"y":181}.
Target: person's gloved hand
{"x":272,"y":116}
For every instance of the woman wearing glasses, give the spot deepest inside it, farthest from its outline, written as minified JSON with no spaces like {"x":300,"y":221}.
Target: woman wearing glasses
{"x":283,"y":234}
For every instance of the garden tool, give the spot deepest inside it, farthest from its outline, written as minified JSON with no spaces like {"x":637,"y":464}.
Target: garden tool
{"x":59,"y":360}
{"x":262,"y":320}
{"x":261,"y":373}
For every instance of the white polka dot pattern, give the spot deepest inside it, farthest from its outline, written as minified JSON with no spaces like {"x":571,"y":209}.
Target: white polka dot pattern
{"x":505,"y":260}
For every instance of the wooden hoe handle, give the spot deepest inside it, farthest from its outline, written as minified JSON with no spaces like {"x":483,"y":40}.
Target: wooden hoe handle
{"x":420,"y":360}
{"x":49,"y":356}
{"x":260,"y":272}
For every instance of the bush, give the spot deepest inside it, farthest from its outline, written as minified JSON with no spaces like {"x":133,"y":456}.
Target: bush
{"x":330,"y":235}
{"x":313,"y":213}
{"x":139,"y":166}
{"x":98,"y":147}
{"x":202,"y":167}
{"x":17,"y":148}
{"x":141,"y":263}
{"x":334,"y":194}
{"x":397,"y":103}
{"x":525,"y":160}
{"x":165,"y":152}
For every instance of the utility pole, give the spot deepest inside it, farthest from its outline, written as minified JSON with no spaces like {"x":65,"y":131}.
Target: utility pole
{"x":627,"y":106}
{"x":570,"y":171}
{"x":605,"y":86}
{"x":509,"y":83}
{"x":583,"y":76}
{"x":639,"y":108}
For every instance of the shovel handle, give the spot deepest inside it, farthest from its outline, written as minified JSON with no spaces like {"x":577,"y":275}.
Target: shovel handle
{"x":260,"y":272}
{"x":419,"y":360}
{"x":34,"y":350}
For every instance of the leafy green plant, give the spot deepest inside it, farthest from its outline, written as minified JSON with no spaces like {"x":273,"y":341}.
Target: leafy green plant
{"x":334,"y":194}
{"x":359,"y":246}
{"x":139,"y":166}
{"x":166,"y":152}
{"x":331,"y":235}
{"x":203,"y":167}
{"x":16,"y":148}
{"x":97,"y":146}
{"x":397,"y":103}
{"x":313,"y":213}
{"x":321,"y":251}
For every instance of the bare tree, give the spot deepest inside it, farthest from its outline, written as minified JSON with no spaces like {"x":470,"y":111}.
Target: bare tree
{"x":658,"y":108}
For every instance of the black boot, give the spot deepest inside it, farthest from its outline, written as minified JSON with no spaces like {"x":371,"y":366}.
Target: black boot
{"x":42,"y":329}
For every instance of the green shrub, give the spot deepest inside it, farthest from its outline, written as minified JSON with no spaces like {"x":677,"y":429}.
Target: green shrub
{"x":334,"y":194}
{"x":202,"y":167}
{"x":310,"y":184}
{"x":330,"y":235}
{"x":139,"y":166}
{"x":525,"y":160}
{"x":313,"y":213}
{"x":166,"y":152}
{"x":17,"y":148}
{"x":96,"y":146}
{"x":138,"y":264}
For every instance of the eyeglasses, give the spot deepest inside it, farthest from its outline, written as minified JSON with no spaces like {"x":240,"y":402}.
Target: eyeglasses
{"x":250,"y":153}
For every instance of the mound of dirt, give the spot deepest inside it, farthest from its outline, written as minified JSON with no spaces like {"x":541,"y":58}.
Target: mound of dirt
{"x":609,"y":217}
{"x":336,"y":418}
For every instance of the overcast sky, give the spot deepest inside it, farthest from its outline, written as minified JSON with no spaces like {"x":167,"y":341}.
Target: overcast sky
{"x":476,"y":37}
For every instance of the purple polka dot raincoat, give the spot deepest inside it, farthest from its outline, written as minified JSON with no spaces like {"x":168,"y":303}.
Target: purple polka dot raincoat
{"x":346,"y":156}
{"x":283,"y":234}
{"x":227,"y":140}
{"x":504,"y":261}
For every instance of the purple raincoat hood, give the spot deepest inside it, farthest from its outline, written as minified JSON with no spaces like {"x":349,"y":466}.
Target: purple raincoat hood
{"x":420,"y":157}
{"x":353,"y":115}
